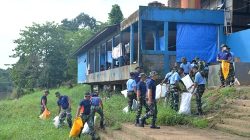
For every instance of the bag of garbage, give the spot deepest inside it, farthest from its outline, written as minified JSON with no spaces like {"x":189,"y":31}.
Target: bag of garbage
{"x":125,"y":93}
{"x":187,"y":81}
{"x":134,"y":105}
{"x":161,"y":91}
{"x":125,"y":109}
{"x":185,"y":107}
{"x":56,"y":121}
{"x":225,"y":68}
{"x":85,"y":129}
{"x":45,"y":114}
{"x":76,"y":128}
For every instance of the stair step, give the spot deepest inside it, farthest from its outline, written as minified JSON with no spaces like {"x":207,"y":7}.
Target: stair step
{"x":236,"y":122}
{"x":233,"y":129}
{"x":240,"y":102}
{"x":237,"y":114}
{"x":244,"y":109}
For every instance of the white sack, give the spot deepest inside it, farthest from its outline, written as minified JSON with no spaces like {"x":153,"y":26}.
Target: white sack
{"x":161,"y":91}
{"x":125,"y":93}
{"x":185,"y":107}
{"x":125,"y":109}
{"x":134,"y":105}
{"x":56,"y":121}
{"x":187,"y":81}
{"x":85,"y":129}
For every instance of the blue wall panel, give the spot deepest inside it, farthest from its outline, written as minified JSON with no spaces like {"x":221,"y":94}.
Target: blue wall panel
{"x":82,"y":68}
{"x":240,"y":44}
{"x":182,"y":15}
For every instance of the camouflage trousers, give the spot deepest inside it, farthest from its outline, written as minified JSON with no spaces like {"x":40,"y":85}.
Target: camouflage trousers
{"x":174,"y":93}
{"x":141,"y":103}
{"x":131,"y":97}
{"x":97,"y":109}
{"x":199,"y":92}
{"x":231,"y":75}
{"x":152,"y":112}
{"x":88,"y":119}
{"x":66,"y":113}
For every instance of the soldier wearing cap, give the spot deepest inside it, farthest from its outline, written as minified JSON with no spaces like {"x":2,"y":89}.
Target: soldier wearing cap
{"x":131,"y":87}
{"x":151,"y":89}
{"x":175,"y":89}
{"x":43,"y":101}
{"x":137,"y":72}
{"x":224,"y":55}
{"x":97,"y":107}
{"x":141,"y":96}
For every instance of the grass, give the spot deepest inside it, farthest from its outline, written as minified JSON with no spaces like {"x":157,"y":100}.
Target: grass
{"x":19,"y":118}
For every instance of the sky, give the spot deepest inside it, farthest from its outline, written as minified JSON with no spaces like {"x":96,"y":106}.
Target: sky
{"x":16,"y":14}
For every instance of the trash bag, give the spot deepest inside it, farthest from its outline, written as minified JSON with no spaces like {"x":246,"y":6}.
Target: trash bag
{"x":125,"y":93}
{"x":76,"y":128}
{"x":125,"y":109}
{"x":134,"y":105}
{"x":85,"y":129}
{"x":161,"y":91}
{"x":185,"y":107}
{"x":187,"y":81}
{"x":56,"y":121}
{"x":45,"y":114}
{"x":225,"y":68}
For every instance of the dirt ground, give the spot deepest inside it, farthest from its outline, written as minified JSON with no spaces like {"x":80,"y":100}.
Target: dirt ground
{"x":183,"y":133}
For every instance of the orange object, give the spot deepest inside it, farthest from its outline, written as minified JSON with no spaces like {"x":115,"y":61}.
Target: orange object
{"x":76,"y":128}
{"x":225,"y":68}
{"x":190,"y":4}
{"x":45,"y":114}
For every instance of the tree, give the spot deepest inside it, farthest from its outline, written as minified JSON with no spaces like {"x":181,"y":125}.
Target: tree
{"x":115,"y":15}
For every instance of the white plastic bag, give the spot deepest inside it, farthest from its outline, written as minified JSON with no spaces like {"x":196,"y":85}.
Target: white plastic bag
{"x":56,"y":121}
{"x":85,"y":129}
{"x":134,"y":105}
{"x":125,"y":93}
{"x":185,"y":107}
{"x":187,"y":81}
{"x":161,"y":91}
{"x":125,"y":109}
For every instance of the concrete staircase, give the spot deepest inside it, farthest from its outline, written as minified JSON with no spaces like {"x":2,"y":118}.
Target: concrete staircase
{"x":236,"y":119}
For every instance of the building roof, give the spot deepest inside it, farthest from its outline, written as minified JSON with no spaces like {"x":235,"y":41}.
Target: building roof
{"x":97,"y":38}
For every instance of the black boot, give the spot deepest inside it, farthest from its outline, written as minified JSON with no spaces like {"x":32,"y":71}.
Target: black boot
{"x":136,"y":122}
{"x":153,"y":125}
{"x":102,"y":125}
{"x":141,"y":122}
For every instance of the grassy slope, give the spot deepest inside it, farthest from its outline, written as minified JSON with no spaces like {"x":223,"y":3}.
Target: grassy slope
{"x":19,"y":118}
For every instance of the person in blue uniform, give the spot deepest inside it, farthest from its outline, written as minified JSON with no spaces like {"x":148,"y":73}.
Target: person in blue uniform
{"x":64,"y":111}
{"x":199,"y":88}
{"x":141,"y":91}
{"x":185,"y":65}
{"x":151,"y":89}
{"x":131,"y":87}
{"x":224,"y":55}
{"x":175,"y":89}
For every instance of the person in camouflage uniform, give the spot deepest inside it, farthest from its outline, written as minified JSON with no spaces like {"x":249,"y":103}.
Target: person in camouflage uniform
{"x":199,"y":88}
{"x":83,"y":111}
{"x":175,"y":89}
{"x":141,"y":96}
{"x":97,"y":107}
{"x":231,"y":76}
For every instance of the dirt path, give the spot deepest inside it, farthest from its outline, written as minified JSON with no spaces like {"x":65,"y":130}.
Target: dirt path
{"x":179,"y":133}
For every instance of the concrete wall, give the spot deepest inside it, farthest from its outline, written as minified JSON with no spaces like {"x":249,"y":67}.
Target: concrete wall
{"x":240,"y":45}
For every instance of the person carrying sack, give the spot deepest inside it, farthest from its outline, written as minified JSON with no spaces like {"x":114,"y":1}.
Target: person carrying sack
{"x":97,"y":107}
{"x":64,"y":106}
{"x":43,"y":102}
{"x":199,"y":88}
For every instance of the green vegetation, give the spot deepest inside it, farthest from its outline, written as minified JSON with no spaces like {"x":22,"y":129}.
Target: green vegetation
{"x":19,"y":118}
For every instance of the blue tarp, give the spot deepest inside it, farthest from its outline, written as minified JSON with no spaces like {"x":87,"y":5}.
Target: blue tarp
{"x":196,"y":40}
